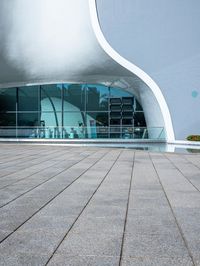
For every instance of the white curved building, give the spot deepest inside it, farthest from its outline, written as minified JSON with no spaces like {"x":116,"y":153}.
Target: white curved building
{"x":63,"y":72}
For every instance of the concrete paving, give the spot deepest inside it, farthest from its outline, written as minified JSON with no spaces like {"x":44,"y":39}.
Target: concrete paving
{"x":62,"y":205}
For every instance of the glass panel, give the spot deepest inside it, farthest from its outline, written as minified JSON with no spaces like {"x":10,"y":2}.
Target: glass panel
{"x":127,"y":101}
{"x":127,"y":121}
{"x":115,"y":92}
{"x":116,"y":108}
{"x":127,"y":115}
{"x":115,"y":115}
{"x":51,"y":98}
{"x":8,"y":99}
{"x":139,"y":119}
{"x":8,"y":119}
{"x":121,"y":114}
{"x":127,"y":132}
{"x":51,"y":125}
{"x":73,"y":119}
{"x":28,"y":119}
{"x":115,"y":129}
{"x":28,"y":98}
{"x":8,"y":125}
{"x":115,"y":122}
{"x":74,"y":97}
{"x":27,"y":125}
{"x":97,"y":98}
{"x":116,"y":101}
{"x":138,"y":107}
{"x":97,"y":125}
{"x":99,"y":118}
{"x":74,"y":125}
{"x":51,"y":119}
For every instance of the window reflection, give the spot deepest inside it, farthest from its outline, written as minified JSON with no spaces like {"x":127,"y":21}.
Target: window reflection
{"x":51,"y":98}
{"x":71,"y":111}
{"x":74,"y":97}
{"x":8,"y":99}
{"x":139,"y":119}
{"x":28,"y":98}
{"x":8,"y":119}
{"x":28,"y":119}
{"x":74,"y":125}
{"x":97,"y":98}
{"x":97,"y":124}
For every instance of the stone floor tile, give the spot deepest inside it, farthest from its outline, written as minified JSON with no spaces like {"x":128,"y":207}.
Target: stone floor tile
{"x":61,"y":259}
{"x":90,"y":244}
{"x":97,"y":225}
{"x":152,"y":261}
{"x":154,"y":245}
{"x":152,"y":236}
{"x":23,"y":259}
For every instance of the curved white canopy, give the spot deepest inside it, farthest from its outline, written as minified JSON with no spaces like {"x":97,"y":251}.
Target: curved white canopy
{"x":54,"y":41}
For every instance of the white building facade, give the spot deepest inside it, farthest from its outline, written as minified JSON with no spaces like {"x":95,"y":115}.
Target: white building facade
{"x":99,"y":69}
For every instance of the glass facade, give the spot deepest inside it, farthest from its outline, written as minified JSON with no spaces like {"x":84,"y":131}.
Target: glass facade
{"x":61,"y":111}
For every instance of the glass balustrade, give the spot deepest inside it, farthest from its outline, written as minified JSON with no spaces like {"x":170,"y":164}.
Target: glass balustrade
{"x":81,"y":132}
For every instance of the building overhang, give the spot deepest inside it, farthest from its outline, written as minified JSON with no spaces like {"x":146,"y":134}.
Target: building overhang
{"x":60,"y":41}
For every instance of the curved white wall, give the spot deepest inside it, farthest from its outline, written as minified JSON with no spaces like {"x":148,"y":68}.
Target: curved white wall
{"x":53,"y":41}
{"x":162,"y":38}
{"x":153,"y":102}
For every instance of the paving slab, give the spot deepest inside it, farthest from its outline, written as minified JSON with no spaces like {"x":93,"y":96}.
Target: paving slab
{"x":62,"y":259}
{"x":152,"y":261}
{"x":63,"y":205}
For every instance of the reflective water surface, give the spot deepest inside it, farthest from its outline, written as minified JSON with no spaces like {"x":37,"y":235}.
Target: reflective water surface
{"x":156,"y":147}
{"x":163,"y":147}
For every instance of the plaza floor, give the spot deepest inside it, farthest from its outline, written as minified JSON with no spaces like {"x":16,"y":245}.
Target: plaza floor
{"x":62,"y":205}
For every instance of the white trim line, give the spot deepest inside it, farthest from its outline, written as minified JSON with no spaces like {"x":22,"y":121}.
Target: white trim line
{"x":185,"y":142}
{"x":132,"y":68}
